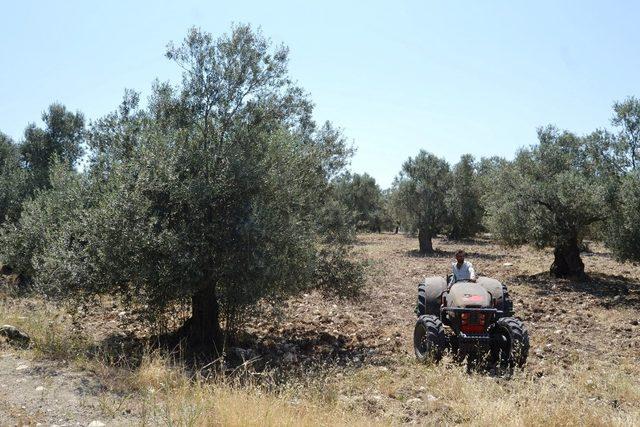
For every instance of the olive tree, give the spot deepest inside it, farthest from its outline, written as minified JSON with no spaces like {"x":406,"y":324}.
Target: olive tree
{"x":213,"y":194}
{"x":419,"y":196}
{"x":549,"y":195}
{"x":26,"y":167}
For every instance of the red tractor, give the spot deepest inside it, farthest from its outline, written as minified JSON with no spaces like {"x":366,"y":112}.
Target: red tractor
{"x":472,"y":320}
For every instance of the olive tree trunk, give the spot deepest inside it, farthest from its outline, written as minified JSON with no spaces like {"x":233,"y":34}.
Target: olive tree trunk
{"x":567,"y":262}
{"x":203,"y":327}
{"x":424,"y":239}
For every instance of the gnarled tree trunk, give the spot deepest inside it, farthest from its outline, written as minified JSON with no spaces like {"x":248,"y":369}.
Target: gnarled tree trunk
{"x":567,"y":262}
{"x":424,"y":239}
{"x":203,"y":328}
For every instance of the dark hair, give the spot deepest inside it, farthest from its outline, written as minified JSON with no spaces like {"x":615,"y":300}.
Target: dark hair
{"x":461,"y":252}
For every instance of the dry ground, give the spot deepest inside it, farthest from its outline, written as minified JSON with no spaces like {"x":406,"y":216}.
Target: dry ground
{"x":327,"y":361}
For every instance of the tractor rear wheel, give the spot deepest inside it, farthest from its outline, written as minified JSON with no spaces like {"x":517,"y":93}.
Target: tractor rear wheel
{"x":421,"y":308}
{"x":507,"y":303}
{"x":429,"y":340}
{"x":510,"y":343}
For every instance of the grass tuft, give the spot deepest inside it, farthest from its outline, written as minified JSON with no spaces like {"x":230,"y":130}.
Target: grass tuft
{"x":51,"y":333}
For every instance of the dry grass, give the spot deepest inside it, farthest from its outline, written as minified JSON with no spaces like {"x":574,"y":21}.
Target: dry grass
{"x":173,"y":397}
{"x":204,"y":404}
{"x":587,"y":394}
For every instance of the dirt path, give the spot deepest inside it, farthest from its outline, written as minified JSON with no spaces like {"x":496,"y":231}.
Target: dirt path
{"x":48,"y":393}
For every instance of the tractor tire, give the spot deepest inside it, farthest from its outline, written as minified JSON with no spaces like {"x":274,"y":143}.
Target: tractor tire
{"x":511,"y":343}
{"x":507,"y":303}
{"x":429,"y":340}
{"x":429,"y":293}
{"x":421,"y":308}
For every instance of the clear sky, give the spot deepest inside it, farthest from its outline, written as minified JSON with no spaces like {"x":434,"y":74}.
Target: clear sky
{"x":450,"y":77}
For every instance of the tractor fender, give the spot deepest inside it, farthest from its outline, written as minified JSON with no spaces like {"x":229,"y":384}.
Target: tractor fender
{"x":430,"y":290}
{"x":494,"y":287}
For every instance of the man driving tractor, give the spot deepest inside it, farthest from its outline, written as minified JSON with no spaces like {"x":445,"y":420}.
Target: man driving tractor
{"x":462,"y":270}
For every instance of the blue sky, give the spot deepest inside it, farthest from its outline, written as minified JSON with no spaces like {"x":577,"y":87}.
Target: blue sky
{"x":450,"y":77}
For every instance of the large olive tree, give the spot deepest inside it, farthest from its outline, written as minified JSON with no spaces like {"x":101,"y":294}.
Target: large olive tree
{"x":213,"y":194}
{"x":549,"y":195}
{"x":419,"y":197}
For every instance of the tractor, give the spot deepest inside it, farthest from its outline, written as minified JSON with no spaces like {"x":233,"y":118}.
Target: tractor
{"x":472,"y":320}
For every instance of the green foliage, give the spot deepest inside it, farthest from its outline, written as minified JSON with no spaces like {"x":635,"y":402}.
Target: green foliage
{"x":419,"y":196}
{"x":114,"y":136}
{"x":621,"y":153}
{"x":61,"y":139}
{"x":463,"y":200}
{"x":615,"y":166}
{"x":548,"y":194}
{"x":388,"y":215}
{"x":27,"y":246}
{"x":335,"y":222}
{"x":623,"y":229}
{"x":362,"y":199}
{"x":627,"y":118}
{"x":334,"y":267}
{"x":487,"y":171}
{"x":12,"y":180}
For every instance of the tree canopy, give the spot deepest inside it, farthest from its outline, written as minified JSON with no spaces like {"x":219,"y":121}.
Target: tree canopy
{"x":61,"y":139}
{"x":627,"y":119}
{"x":13,"y":187}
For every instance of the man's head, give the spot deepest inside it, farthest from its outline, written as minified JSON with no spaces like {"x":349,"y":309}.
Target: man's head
{"x":460,"y":254}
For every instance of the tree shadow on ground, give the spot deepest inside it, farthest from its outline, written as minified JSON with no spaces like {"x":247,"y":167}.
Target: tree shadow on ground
{"x":438,"y":253}
{"x":610,"y":290}
{"x":297,"y":351}
{"x":469,"y":241}
{"x":128,"y":351}
{"x":294,"y":352}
